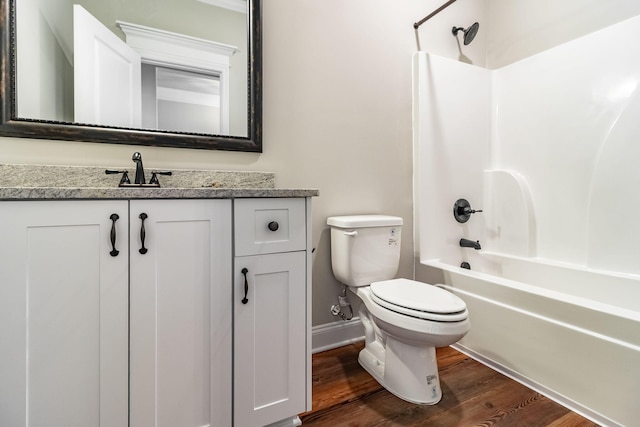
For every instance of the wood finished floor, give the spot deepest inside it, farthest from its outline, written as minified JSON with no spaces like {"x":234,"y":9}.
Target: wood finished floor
{"x":344,"y":394}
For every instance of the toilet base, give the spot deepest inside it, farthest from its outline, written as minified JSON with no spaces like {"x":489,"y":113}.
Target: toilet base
{"x":410,"y":372}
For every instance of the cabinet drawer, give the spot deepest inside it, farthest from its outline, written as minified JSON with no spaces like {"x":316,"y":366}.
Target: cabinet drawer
{"x":269,"y":225}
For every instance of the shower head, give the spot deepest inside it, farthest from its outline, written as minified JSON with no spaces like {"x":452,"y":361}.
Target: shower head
{"x":469,"y":33}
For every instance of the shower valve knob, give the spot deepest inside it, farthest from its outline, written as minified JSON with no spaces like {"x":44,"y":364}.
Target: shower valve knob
{"x":462,"y":210}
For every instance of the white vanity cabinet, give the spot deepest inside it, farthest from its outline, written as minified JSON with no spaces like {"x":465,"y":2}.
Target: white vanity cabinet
{"x":130,"y":312}
{"x":271,"y":309}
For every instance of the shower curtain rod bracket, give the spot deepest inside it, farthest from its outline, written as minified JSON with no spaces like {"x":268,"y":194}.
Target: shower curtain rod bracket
{"x":432,"y":14}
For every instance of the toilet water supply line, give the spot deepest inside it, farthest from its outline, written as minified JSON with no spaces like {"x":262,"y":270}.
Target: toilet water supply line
{"x":343,"y":301}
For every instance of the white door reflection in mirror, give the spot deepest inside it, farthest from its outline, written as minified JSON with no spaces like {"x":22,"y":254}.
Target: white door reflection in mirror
{"x":107,"y":76}
{"x":181,"y":100}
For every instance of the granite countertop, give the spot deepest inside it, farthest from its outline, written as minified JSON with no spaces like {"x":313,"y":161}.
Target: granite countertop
{"x":43,"y":182}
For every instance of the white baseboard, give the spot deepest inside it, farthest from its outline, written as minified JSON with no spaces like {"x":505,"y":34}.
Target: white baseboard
{"x":533,"y":385}
{"x":288,"y":422}
{"x":336,"y":334}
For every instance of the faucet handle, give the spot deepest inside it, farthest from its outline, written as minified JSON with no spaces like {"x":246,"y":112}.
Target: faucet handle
{"x":154,"y":176}
{"x":471,"y":211}
{"x":123,"y":180}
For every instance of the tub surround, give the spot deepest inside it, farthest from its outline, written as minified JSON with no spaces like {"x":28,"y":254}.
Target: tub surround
{"x":39,"y":182}
{"x":548,"y":153}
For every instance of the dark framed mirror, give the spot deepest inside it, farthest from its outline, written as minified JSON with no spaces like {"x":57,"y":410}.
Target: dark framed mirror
{"x":15,"y":75}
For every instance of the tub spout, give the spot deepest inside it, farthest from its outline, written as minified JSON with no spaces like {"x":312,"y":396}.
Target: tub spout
{"x":466,"y":243}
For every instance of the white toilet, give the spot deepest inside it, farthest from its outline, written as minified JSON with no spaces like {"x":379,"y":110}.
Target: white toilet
{"x":404,"y":320}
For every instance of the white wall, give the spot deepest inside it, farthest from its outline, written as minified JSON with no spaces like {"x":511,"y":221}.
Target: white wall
{"x":340,"y":75}
{"x":521,"y":28}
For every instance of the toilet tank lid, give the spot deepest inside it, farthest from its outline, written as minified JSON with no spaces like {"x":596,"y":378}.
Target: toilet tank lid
{"x":361,"y":221}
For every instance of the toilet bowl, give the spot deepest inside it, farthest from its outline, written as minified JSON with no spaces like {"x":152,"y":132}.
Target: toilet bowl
{"x":400,"y":347}
{"x":404,"y":320}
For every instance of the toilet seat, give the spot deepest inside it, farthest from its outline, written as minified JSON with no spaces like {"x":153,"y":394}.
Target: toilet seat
{"x":417,"y":299}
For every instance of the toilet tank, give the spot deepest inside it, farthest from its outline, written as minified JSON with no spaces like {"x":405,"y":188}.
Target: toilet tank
{"x":365,"y":248}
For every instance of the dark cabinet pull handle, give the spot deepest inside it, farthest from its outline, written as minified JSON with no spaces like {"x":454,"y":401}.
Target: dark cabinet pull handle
{"x":143,"y":234}
{"x":273,"y":226}
{"x":246,"y":286}
{"x":114,"y":217}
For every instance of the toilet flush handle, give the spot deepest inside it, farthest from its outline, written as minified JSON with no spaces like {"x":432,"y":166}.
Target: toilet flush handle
{"x":353,"y":233}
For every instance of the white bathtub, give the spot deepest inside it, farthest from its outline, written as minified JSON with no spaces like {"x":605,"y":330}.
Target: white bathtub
{"x":570,"y":333}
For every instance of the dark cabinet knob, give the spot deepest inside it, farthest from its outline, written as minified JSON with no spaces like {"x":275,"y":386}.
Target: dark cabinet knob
{"x":273,"y":226}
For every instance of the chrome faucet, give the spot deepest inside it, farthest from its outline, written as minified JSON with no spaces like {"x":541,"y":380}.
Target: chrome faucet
{"x":466,"y":243}
{"x":139,"y":178}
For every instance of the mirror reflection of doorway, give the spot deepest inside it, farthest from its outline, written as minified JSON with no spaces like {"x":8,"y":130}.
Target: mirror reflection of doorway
{"x":180,"y":100}
{"x":155,"y":80}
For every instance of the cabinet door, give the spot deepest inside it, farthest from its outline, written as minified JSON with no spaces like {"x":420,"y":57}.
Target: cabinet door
{"x":63,"y":314}
{"x":269,"y":338}
{"x":181,"y":313}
